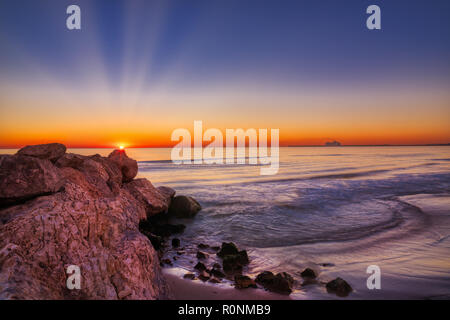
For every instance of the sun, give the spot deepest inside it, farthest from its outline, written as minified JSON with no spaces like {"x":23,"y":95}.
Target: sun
{"x":121,"y":147}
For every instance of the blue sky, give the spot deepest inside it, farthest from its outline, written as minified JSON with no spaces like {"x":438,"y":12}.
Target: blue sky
{"x":216,"y":40}
{"x":133,"y":56}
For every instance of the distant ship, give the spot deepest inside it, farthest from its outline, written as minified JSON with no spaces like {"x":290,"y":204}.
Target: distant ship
{"x":333,"y":144}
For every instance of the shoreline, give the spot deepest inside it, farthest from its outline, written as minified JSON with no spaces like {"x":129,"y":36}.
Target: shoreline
{"x":184,"y":289}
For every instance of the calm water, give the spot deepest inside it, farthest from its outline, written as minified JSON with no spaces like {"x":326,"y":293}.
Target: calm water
{"x":349,"y":206}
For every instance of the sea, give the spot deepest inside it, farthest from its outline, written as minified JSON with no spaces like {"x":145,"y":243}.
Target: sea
{"x":337,"y":210}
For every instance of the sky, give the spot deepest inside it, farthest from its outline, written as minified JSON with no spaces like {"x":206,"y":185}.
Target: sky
{"x":137,"y":70}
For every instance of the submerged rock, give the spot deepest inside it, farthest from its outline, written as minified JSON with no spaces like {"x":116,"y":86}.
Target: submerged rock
{"x":184,"y":207}
{"x":51,"y":151}
{"x":243,"y":282}
{"x":127,"y":166}
{"x":339,"y":286}
{"x":201,"y":255}
{"x":327,"y":265}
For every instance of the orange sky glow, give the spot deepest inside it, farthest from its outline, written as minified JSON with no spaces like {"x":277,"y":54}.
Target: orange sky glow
{"x":304,"y":118}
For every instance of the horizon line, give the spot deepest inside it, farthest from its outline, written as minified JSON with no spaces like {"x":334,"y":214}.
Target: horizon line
{"x":281,"y":146}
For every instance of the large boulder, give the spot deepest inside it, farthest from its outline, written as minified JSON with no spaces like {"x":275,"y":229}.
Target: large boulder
{"x":128,"y":166}
{"x":102,"y":174}
{"x":23,"y":178}
{"x":150,"y":197}
{"x":79,"y":226}
{"x":184,"y":207}
{"x":51,"y":151}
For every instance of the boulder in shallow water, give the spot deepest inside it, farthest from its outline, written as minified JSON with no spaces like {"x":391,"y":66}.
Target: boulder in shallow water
{"x":243,"y":282}
{"x":204,"y":276}
{"x":233,"y":259}
{"x":200,"y":266}
{"x":217,"y":273}
{"x":189,"y":276}
{"x":280,"y":283}
{"x":24,"y":177}
{"x":232,"y":264}
{"x":228,"y":248}
{"x":339,"y":286}
{"x":127,"y":166}
{"x":201,"y":255}
{"x":50,"y":151}
{"x":184,"y":207}
{"x":308,"y":273}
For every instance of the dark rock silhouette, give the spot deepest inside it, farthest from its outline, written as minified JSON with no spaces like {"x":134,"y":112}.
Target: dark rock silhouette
{"x":339,"y":286}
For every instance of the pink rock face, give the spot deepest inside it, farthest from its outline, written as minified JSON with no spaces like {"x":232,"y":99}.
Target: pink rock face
{"x":168,"y":192}
{"x":100,"y":172}
{"x":150,"y":197}
{"x":81,"y":225}
{"x":24,"y":177}
{"x":127,"y":165}
{"x":51,"y":151}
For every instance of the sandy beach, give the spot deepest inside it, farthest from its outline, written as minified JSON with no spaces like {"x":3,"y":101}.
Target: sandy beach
{"x":185,"y":289}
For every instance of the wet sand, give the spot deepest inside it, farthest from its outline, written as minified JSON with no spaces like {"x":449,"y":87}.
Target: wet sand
{"x":185,"y":289}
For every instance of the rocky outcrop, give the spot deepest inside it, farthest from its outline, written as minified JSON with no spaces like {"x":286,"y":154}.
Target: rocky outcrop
{"x":127,"y":165}
{"x":51,"y":151}
{"x":24,"y":177}
{"x":100,"y":173}
{"x":76,"y":212}
{"x":184,"y":207}
{"x":150,"y":197}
